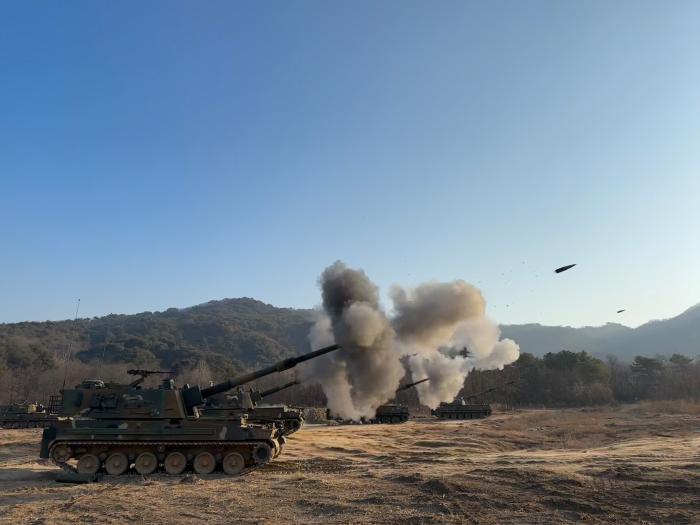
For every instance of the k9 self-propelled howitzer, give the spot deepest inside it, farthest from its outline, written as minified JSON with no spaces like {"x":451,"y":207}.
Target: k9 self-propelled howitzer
{"x":395,"y":413}
{"x":460,"y":408}
{"x":249,"y":402}
{"x":114,"y":427}
{"x":26,"y":415}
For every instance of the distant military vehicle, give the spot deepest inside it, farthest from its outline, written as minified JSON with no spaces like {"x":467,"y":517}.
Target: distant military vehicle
{"x":461,"y":409}
{"x":394,"y":413}
{"x":112,"y":427}
{"x":25,"y":415}
{"x":241,"y":402}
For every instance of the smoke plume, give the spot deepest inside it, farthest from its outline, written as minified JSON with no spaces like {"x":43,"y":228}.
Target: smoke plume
{"x":431,"y":324}
{"x":444,"y":329}
{"x":366,"y":372}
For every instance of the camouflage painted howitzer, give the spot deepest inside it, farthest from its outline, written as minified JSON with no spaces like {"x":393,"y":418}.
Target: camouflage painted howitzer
{"x":112,"y":427}
{"x":248,"y":402}
{"x":25,"y":415}
{"x":461,"y":409}
{"x":392,"y":412}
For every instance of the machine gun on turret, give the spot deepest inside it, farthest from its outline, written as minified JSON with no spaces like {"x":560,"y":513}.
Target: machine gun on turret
{"x":143,"y":374}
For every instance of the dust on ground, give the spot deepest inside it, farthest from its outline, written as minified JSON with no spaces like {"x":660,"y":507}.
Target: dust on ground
{"x":612,"y":465}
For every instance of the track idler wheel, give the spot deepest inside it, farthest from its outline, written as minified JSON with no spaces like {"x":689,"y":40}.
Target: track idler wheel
{"x":61,"y":453}
{"x":262,"y":453}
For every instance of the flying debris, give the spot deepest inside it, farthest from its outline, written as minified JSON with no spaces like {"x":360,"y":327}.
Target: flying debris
{"x":620,"y":311}
{"x":464,"y":352}
{"x":564,"y":268}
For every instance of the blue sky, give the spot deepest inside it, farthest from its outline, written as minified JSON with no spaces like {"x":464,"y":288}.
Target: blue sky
{"x":157,"y":154}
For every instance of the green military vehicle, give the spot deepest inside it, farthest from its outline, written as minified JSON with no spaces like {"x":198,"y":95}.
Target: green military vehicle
{"x":26,"y":415}
{"x":248,"y":402}
{"x":112,"y":428}
{"x":461,"y":409}
{"x":394,"y":413}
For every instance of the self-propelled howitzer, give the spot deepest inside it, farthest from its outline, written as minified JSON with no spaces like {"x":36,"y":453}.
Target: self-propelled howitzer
{"x":114,"y":427}
{"x":461,"y":409}
{"x":392,"y":412}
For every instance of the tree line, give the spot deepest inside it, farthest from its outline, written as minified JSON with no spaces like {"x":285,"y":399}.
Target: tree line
{"x":561,"y":379}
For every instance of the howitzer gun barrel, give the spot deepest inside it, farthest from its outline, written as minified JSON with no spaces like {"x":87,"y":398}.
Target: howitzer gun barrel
{"x":488,"y":390}
{"x":278,"y":388}
{"x":280,"y":366}
{"x":410,"y":385}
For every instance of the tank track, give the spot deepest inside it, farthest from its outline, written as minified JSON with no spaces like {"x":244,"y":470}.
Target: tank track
{"x":388,"y":421}
{"x":71,"y":470}
{"x":15,"y":425}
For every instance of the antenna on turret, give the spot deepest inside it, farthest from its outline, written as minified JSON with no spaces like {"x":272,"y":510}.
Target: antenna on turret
{"x":70,"y":348}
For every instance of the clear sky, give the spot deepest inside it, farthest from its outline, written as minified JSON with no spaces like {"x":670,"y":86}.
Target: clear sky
{"x":157,"y":154}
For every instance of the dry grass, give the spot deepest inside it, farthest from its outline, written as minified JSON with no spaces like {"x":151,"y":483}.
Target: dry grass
{"x":682,"y":406}
{"x":624,"y":465}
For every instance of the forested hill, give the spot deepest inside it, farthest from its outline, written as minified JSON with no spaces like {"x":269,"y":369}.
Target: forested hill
{"x":233,"y":335}
{"x":229,"y":336}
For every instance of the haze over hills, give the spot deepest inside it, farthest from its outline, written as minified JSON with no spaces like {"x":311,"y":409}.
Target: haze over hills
{"x":677,"y":335}
{"x":235,"y":334}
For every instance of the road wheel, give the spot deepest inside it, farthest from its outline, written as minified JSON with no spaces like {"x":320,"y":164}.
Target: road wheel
{"x":233,"y":464}
{"x":146,"y":463}
{"x":204,"y":463}
{"x":175,"y":463}
{"x":116,"y":464}
{"x":88,"y":464}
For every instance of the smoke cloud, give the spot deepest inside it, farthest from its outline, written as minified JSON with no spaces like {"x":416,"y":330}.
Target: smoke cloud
{"x":430,"y":325}
{"x":445,"y":326}
{"x":366,"y":372}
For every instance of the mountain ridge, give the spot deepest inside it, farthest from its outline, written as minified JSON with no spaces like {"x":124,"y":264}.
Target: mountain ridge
{"x":236,"y":334}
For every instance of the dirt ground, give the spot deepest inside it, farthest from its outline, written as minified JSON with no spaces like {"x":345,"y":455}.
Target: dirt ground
{"x":624,"y":465}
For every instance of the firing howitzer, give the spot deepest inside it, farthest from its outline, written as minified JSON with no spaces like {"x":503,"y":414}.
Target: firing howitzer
{"x":411,"y":385}
{"x":195,"y":396}
{"x":489,"y":390}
